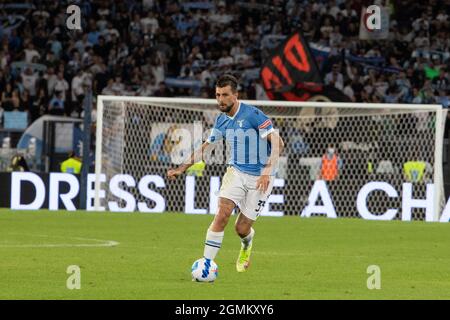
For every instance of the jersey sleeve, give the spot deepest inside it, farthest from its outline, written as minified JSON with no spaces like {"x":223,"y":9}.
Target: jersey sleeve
{"x":262,"y":123}
{"x":215,"y":135}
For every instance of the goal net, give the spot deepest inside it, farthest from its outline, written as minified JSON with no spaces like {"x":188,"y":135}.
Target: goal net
{"x":139,"y":137}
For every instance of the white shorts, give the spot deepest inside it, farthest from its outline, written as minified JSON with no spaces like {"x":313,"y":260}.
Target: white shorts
{"x":240,"y":188}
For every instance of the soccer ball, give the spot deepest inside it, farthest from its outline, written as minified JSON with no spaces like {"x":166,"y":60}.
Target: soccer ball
{"x":204,"y":270}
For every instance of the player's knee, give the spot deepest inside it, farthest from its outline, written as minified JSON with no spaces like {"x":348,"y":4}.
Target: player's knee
{"x":226,"y":205}
{"x":221,"y":219}
{"x":242,"y":229}
{"x":223,"y":214}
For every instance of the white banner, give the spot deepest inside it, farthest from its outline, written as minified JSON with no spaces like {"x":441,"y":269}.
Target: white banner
{"x":319,"y":192}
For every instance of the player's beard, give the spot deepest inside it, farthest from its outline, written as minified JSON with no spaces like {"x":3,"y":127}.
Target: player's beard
{"x":225,"y":108}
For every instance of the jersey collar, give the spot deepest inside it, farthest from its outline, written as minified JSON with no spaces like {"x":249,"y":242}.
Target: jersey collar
{"x":237,"y":111}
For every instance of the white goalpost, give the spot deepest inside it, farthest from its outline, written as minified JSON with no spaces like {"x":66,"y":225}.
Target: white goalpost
{"x":141,"y":137}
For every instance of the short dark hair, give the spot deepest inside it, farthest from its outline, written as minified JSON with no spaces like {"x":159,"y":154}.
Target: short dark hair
{"x":227,"y":80}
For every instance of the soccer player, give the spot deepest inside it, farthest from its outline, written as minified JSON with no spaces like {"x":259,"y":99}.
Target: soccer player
{"x":248,"y":180}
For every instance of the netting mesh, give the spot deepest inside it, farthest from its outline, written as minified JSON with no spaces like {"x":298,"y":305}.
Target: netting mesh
{"x":371,"y":144}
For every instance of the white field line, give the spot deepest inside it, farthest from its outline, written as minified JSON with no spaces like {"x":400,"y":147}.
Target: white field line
{"x":102,"y":243}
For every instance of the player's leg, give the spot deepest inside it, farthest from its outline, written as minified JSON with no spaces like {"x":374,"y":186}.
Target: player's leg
{"x":231,"y":193}
{"x":245,"y":231}
{"x":243,"y":227}
{"x":226,"y":207}
{"x":251,"y":208}
{"x":214,"y":235}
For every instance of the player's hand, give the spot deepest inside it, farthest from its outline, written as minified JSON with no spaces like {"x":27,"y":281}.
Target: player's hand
{"x":262,"y":184}
{"x":173,"y":173}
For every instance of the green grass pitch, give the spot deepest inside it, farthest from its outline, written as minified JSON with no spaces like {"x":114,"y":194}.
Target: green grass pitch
{"x":293,"y":258}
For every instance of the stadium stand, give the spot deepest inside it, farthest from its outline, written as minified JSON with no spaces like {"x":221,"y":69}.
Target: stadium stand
{"x":135,"y":47}
{"x":178,"y":48}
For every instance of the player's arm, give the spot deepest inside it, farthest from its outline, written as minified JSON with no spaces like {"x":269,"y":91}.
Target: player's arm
{"x":267,"y":131}
{"x":197,"y":154}
{"x":277,"y":146}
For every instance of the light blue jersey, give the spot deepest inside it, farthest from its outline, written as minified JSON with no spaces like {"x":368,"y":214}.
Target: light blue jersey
{"x":245,"y":133}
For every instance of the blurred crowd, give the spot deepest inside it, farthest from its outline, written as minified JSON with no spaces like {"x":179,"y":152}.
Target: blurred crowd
{"x":178,"y":48}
